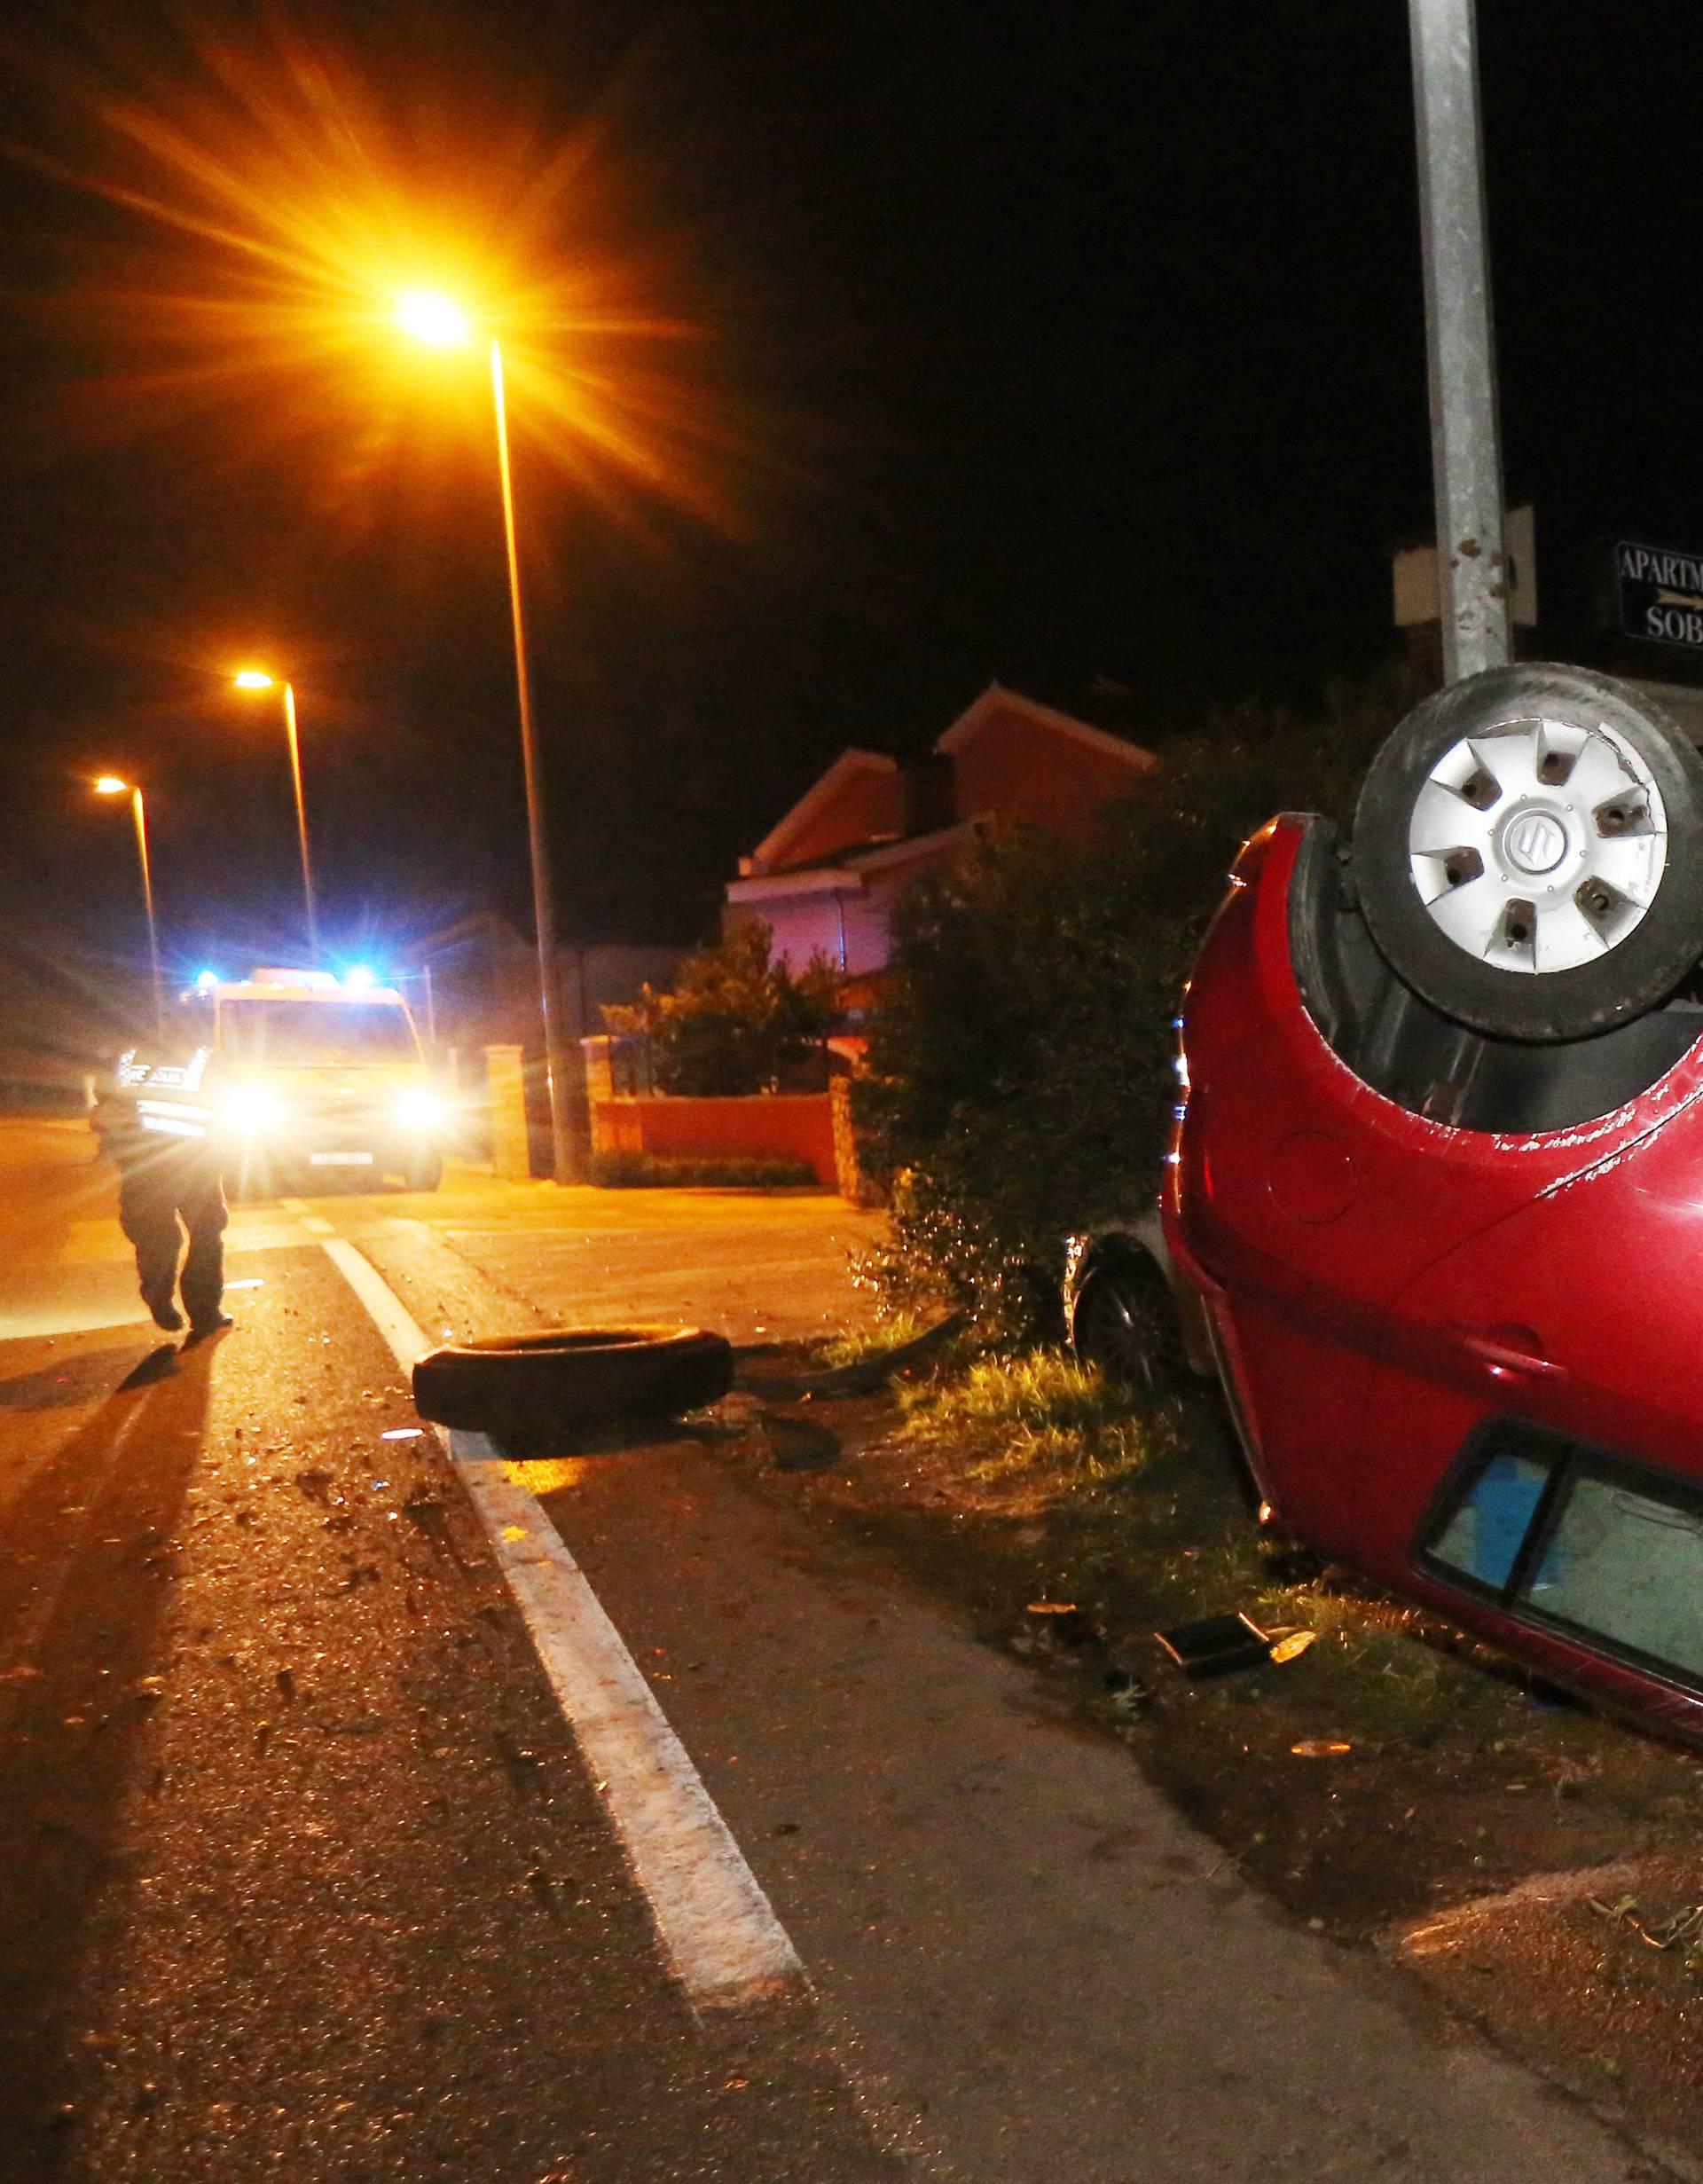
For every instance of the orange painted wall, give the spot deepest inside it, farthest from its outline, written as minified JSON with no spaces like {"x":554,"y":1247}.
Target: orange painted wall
{"x":769,"y":1126}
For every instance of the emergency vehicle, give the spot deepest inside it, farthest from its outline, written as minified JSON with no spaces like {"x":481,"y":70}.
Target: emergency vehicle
{"x":305,"y":1075}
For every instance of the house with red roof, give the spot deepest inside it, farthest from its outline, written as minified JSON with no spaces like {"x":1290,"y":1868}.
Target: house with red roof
{"x":826,"y":877}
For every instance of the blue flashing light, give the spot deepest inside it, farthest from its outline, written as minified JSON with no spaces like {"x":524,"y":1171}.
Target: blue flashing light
{"x":206,"y":981}
{"x":359,"y":977}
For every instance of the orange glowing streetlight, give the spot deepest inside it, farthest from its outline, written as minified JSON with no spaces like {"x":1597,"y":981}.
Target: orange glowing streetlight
{"x":257,"y":678}
{"x":110,"y":785}
{"x":438,"y":321}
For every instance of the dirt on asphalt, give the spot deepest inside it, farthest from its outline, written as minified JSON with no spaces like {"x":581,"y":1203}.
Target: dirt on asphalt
{"x":1398,"y":1785}
{"x":303,"y":1876}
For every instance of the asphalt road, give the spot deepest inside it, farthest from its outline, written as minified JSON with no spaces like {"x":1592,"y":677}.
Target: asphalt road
{"x":304,"y":1875}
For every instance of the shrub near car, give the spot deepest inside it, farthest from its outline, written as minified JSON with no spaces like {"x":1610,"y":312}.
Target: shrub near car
{"x":1435,"y":1189}
{"x":313,"y":1076}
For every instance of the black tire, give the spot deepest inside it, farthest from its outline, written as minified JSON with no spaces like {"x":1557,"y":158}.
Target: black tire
{"x":424,"y":1172}
{"x":530,"y":1385}
{"x":1125,"y":1324}
{"x":1638,"y":969}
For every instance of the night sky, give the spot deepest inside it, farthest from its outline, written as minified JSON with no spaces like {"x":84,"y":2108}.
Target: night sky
{"x":1078,"y":346}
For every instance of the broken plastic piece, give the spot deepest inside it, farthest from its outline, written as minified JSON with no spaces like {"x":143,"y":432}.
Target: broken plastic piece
{"x":1216,"y":1646}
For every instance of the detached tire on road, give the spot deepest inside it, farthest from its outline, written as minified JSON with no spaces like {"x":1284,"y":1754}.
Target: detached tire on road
{"x":525,"y":1386}
{"x":1529,"y":852}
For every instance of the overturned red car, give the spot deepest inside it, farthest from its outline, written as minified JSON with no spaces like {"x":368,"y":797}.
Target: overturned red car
{"x":1435,"y":1194}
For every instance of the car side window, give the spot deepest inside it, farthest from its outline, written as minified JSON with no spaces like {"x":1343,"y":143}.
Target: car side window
{"x":1482,"y":1538}
{"x":1604,"y":1549}
{"x":1627,"y":1565}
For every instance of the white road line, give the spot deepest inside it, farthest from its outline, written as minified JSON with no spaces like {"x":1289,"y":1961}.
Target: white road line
{"x":309,"y":1219}
{"x":717,"y":1926}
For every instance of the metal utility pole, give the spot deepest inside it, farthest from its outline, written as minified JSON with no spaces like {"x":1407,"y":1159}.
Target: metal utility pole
{"x":567,"y":1163}
{"x":1465,"y":443}
{"x":140,"y":815}
{"x":301,"y":819}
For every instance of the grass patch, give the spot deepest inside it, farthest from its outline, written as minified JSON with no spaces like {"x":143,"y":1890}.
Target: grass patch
{"x":1039,"y":1411}
{"x":1177,"y":1538}
{"x":891,"y":1331}
{"x":643,"y":1171}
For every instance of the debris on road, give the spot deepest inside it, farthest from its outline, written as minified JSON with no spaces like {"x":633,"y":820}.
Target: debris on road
{"x":869,"y":1374}
{"x":1685,"y":1926}
{"x":1062,"y":1622}
{"x":1216,"y":1646}
{"x":1221,"y":1644}
{"x":1320,"y":1747}
{"x":800,"y":1444}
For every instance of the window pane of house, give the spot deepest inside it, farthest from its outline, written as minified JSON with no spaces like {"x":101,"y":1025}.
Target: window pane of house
{"x":1630,"y":1567}
{"x":1483,"y":1534}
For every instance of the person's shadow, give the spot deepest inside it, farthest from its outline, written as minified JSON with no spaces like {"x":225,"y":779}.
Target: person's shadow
{"x":91,"y":1549}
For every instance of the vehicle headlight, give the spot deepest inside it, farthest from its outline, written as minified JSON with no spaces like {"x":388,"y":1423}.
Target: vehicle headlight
{"x":420,"y":1111}
{"x":251,"y":1108}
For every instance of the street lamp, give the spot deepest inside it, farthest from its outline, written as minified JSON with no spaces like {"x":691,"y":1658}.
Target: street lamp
{"x":438,"y":321}
{"x":257,"y":678}
{"x":110,"y":785}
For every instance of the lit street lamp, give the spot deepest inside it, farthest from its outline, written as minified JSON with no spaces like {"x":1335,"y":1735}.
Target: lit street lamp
{"x":438,"y":322}
{"x":257,"y":678}
{"x":110,"y":785}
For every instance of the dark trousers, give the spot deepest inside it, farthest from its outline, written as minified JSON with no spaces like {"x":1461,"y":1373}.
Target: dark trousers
{"x":162,"y":1181}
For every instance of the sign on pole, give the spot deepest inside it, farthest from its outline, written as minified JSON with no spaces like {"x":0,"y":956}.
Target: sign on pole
{"x":1661,"y":593}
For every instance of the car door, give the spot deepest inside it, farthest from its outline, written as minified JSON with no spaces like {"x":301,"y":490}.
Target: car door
{"x":1576,"y":1312}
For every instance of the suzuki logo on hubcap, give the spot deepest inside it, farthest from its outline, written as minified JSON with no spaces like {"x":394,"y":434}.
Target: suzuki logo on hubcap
{"x":1535,"y":841}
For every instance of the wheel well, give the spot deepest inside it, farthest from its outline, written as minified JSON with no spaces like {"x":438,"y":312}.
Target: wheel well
{"x":1142,"y":1250}
{"x":1117,"y":1249}
{"x":1410,"y":1052}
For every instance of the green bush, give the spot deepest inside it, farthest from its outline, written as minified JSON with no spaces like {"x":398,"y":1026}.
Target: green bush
{"x":1019,"y":1078}
{"x":643,"y":1171}
{"x":736,"y":1022}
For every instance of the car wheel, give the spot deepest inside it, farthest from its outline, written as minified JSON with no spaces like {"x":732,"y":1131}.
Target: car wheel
{"x":1529,"y":852}
{"x":531,"y":1385}
{"x":424,"y":1172}
{"x":1125,"y":1324}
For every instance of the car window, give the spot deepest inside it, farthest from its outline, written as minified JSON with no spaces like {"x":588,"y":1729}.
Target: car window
{"x":1483,"y":1536}
{"x":1613,"y":1554}
{"x":1629,"y":1567}
{"x":303,"y":1035}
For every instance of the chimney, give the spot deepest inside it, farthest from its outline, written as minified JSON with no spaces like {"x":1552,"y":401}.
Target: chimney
{"x":927,"y":794}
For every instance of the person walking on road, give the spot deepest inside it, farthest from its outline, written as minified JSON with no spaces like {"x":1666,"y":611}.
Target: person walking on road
{"x":158,"y":1129}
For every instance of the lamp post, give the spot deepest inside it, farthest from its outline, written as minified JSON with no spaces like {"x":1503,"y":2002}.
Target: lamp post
{"x":439,"y":322}
{"x":257,"y":678}
{"x":110,"y":785}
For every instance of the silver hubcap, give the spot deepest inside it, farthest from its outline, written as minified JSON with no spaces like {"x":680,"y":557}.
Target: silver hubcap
{"x":1539,"y":846}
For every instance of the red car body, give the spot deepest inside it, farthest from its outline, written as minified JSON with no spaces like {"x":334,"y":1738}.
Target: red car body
{"x":1414,"y":1319}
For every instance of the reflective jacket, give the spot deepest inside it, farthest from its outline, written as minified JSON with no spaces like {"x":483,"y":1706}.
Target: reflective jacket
{"x":158,"y":1099}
